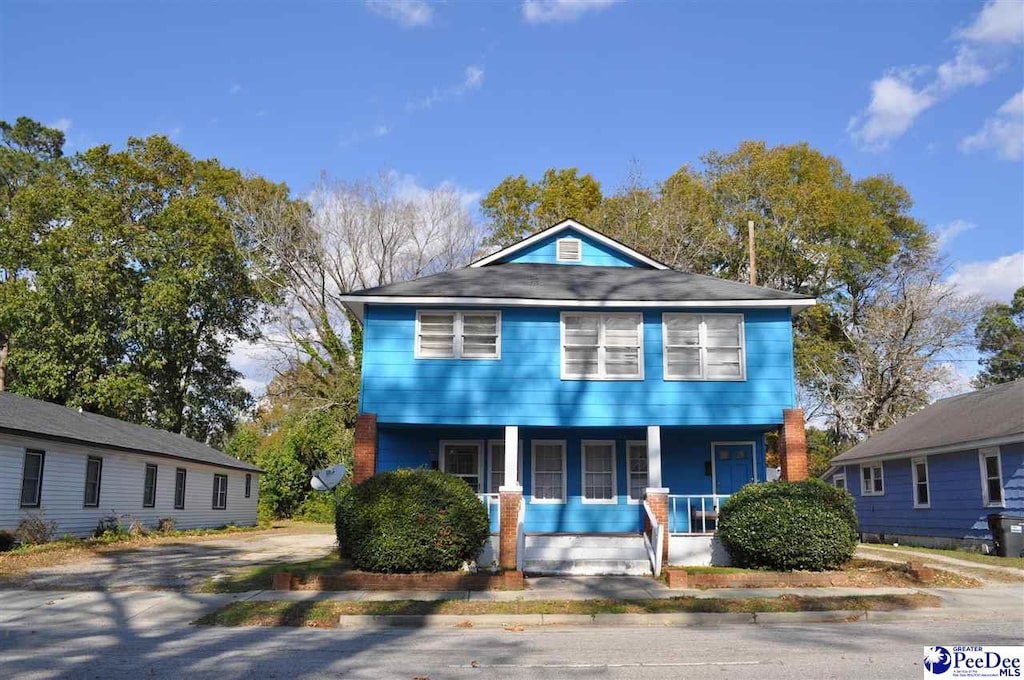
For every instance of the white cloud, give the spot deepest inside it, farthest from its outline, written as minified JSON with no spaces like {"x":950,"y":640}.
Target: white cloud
{"x":254,"y":361}
{"x":945,"y":233}
{"x":407,"y":13}
{"x":999,"y":22}
{"x":993,"y":279}
{"x":235,"y":89}
{"x":381,"y":130}
{"x":1003,"y":131}
{"x":550,"y":11}
{"x":901,"y":95}
{"x":62,"y":124}
{"x":407,"y":188}
{"x":472,"y":79}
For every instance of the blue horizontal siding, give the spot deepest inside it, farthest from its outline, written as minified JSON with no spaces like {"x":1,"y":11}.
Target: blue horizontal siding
{"x":594,"y":253}
{"x":685,"y":452}
{"x":524,"y":386}
{"x":957,"y":507}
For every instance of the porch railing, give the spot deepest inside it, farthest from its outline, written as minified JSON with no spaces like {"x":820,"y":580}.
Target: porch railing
{"x":654,"y":539}
{"x":492,"y":502}
{"x":694,"y":514}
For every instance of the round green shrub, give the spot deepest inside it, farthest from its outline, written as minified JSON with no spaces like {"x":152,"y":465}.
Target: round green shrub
{"x":411,"y":520}
{"x":784,"y":526}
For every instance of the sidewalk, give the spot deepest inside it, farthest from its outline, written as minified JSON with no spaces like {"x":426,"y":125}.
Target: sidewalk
{"x":147,"y":610}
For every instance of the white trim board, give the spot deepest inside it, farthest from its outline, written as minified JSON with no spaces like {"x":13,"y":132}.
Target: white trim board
{"x":562,"y":226}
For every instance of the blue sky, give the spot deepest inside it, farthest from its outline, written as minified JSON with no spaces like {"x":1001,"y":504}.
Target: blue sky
{"x":469,"y":92}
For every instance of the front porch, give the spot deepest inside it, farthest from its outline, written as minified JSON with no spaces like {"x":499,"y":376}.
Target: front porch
{"x":631,"y":482}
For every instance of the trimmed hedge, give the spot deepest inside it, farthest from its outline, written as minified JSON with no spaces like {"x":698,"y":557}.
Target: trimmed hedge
{"x":784,"y":526}
{"x":411,"y":520}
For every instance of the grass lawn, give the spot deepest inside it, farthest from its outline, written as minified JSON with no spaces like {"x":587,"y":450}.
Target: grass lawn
{"x":68,"y":550}
{"x":325,"y":614}
{"x":969,"y":555}
{"x":865,"y":573}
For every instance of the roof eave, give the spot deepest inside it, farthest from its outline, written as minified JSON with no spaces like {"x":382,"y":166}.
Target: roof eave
{"x":354,"y":302}
{"x":952,"y":447}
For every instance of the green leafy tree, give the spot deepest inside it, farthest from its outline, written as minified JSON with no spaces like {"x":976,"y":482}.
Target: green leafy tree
{"x":518,"y":207}
{"x":1000,"y":336}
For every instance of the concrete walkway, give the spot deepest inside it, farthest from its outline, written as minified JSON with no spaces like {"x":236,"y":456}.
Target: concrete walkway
{"x":873,"y":551}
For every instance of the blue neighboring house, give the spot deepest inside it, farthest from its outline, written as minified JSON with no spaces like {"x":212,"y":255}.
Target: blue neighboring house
{"x":633,"y":396}
{"x":933,"y":478}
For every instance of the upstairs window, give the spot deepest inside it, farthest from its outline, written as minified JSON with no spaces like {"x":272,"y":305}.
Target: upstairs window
{"x":602,"y":346}
{"x":991,"y":476}
{"x":569,"y":250}
{"x":455,"y":335}
{"x":704,"y":347}
{"x":93,"y":473}
{"x":32,"y":479}
{"x":149,"y":489}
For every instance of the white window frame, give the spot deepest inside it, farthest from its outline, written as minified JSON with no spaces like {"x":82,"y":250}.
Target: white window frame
{"x":629,"y":474}
{"x":491,"y":467}
{"x":579,"y":250}
{"x":220,"y":492}
{"x":836,"y":477}
{"x":881,"y":476}
{"x":702,"y":347}
{"x":457,"y":340}
{"x":479,"y":444}
{"x":914,"y":462}
{"x":533,"y":471}
{"x":614,"y":500}
{"x":989,"y":452}
{"x":602,"y":373}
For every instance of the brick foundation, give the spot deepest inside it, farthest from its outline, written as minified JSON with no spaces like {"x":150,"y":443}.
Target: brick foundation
{"x":793,"y":446}
{"x":364,"y":451}
{"x":509,"y":528}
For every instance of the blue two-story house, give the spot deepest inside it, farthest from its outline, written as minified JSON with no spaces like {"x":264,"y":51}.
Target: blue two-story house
{"x":632,"y":397}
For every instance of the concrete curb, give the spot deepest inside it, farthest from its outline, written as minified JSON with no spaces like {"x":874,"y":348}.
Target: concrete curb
{"x":682,"y":619}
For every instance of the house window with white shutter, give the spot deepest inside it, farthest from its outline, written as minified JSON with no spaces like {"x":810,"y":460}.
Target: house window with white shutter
{"x":458,"y":335}
{"x":704,"y":347}
{"x":602,"y":346}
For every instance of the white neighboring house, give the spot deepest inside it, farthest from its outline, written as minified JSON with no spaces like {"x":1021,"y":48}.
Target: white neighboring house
{"x":76,"y":468}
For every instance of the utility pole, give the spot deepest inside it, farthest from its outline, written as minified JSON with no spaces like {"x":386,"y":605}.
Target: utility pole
{"x":753,"y":256}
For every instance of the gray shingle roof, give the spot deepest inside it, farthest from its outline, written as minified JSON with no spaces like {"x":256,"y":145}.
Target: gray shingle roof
{"x":572,"y":282}
{"x":991,"y":413}
{"x":22,"y":415}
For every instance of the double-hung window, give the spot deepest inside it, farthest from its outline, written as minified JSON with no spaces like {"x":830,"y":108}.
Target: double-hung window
{"x":602,"y":346}
{"x":496,"y":448}
{"x":93,"y":474}
{"x":548,"y":471}
{"x":922,"y":497}
{"x":839,"y":480}
{"x":149,"y":489}
{"x":458,"y":335}
{"x":220,"y":492}
{"x":872,"y":483}
{"x":704,"y":347}
{"x":636,"y":461}
{"x":180,"y":476}
{"x":32,"y":479}
{"x":991,"y":476}
{"x":598,"y":472}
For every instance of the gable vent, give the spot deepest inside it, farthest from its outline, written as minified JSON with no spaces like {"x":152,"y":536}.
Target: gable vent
{"x":570,"y":250}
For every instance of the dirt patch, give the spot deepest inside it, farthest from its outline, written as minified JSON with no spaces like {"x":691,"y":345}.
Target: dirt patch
{"x":858,"y":573}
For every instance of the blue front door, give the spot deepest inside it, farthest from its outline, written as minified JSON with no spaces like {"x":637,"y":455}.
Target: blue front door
{"x":734,"y":466}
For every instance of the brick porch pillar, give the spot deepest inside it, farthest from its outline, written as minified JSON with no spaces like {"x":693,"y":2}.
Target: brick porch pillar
{"x":364,"y":451}
{"x":657,"y":498}
{"x":510,"y":499}
{"x":793,"y":446}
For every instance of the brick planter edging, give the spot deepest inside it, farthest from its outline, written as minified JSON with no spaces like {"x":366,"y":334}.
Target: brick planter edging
{"x":679,"y":578}
{"x":453,"y":581}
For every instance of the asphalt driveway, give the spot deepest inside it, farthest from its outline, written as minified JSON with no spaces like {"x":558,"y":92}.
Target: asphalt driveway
{"x":179,"y":566}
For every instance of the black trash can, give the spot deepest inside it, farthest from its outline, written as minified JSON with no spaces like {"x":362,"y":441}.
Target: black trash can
{"x":1007,"y":534}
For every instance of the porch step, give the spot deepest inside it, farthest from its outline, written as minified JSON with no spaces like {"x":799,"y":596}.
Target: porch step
{"x":586,"y":554}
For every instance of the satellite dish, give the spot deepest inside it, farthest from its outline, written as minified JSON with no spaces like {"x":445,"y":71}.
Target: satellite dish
{"x":328,"y":478}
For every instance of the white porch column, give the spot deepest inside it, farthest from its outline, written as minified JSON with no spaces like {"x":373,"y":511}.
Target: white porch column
{"x":512,"y":481}
{"x":653,"y":456}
